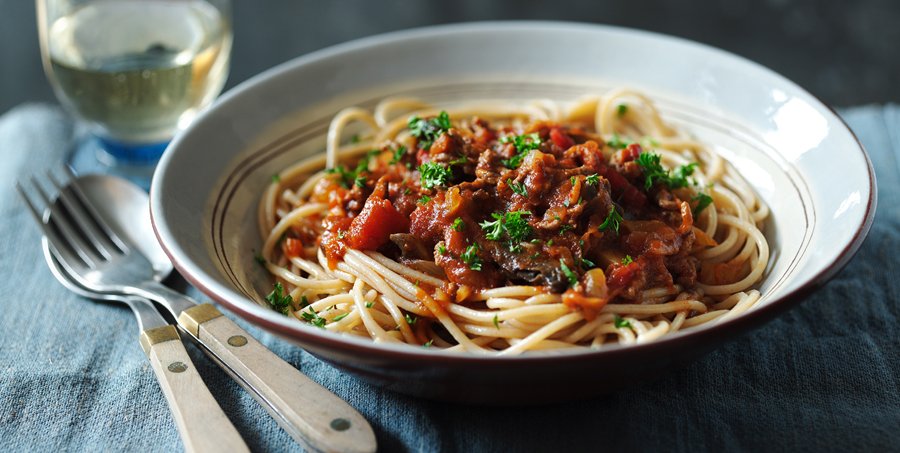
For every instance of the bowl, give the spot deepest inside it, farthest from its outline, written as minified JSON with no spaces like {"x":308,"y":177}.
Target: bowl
{"x":797,"y":154}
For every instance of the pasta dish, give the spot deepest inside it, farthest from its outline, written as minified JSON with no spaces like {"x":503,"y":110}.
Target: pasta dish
{"x":501,"y":229}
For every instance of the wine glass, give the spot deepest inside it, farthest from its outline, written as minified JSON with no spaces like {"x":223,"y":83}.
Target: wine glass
{"x":134,"y":72}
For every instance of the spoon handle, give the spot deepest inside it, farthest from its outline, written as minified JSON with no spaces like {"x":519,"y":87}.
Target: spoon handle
{"x":201,"y":423}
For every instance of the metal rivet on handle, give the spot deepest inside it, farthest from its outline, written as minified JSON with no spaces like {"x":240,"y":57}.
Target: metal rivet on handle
{"x":177,"y":367}
{"x":237,"y":340}
{"x":340,"y":424}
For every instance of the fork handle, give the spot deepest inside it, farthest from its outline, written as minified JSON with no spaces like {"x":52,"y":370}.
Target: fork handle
{"x":314,"y":416}
{"x":200,"y":421}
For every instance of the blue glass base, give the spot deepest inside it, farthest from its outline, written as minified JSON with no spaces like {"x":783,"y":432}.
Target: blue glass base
{"x":134,"y":163}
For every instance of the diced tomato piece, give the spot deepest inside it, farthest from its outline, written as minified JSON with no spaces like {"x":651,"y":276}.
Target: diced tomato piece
{"x":560,"y":139}
{"x":373,"y":226}
{"x":292,"y":247}
{"x":630,"y":195}
{"x":621,"y":275}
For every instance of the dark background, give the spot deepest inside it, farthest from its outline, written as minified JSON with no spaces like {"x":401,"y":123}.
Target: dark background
{"x":846,"y":53}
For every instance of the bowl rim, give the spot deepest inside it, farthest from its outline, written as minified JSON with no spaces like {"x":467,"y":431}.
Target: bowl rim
{"x":354,"y":346}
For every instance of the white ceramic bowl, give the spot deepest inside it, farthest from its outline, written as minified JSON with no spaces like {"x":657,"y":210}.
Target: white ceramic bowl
{"x":797,"y":153}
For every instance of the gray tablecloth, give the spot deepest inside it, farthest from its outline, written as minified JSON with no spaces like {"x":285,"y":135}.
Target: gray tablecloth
{"x":823,"y":377}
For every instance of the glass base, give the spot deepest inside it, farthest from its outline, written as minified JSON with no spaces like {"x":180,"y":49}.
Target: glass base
{"x":135,"y":163}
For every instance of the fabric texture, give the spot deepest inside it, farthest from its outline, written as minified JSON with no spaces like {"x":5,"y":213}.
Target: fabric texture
{"x":823,"y":377}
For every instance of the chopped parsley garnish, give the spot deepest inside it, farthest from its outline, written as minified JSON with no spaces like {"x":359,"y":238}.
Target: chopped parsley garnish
{"x":425,"y":199}
{"x":410,"y":319}
{"x":523,"y":144}
{"x":442,"y":249}
{"x":564,"y":228}
{"x":313,"y":318}
{"x":592,"y":180}
{"x":259,"y":259}
{"x":511,"y":225}
{"x":398,"y":154}
{"x":573,"y":180}
{"x":354,"y":177}
{"x":340,"y":317}
{"x":428,"y":344}
{"x":621,"y":110}
{"x":470,"y":257}
{"x":370,"y":304}
{"x":620,"y":323}
{"x":427,"y":131}
{"x":586,"y":263}
{"x":434,"y":174}
{"x":360,"y":181}
{"x":627,"y":260}
{"x":572,"y":276}
{"x":496,"y":322}
{"x":703,"y":200}
{"x":280,"y":301}
{"x":276,"y":178}
{"x":304,"y":301}
{"x":612,"y":221}
{"x":458,"y":224}
{"x":654,"y":172}
{"x":459,"y":160}
{"x":354,"y":138}
{"x":618,"y":142}
{"x":517,"y":187}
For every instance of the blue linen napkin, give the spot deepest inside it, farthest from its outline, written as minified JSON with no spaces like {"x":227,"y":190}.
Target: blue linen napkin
{"x":823,"y":377}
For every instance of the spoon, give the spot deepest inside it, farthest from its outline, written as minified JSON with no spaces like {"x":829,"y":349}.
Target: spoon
{"x":310,"y":413}
{"x":201,"y":422}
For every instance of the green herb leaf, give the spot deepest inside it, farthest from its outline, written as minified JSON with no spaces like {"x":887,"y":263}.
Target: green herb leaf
{"x":511,"y":225}
{"x":370,"y":304}
{"x":427,"y":131}
{"x":470,"y":257}
{"x":618,"y":143}
{"x":398,"y":154}
{"x":434,"y":174}
{"x":523,"y":144}
{"x":496,"y":322}
{"x":425,"y":199}
{"x":410,"y":319}
{"x":612,"y":221}
{"x":703,"y":200}
{"x":572,"y":276}
{"x":259,"y":259}
{"x":627,"y":260}
{"x":313,"y":318}
{"x":354,"y":138}
{"x":592,"y":180}
{"x":620,"y":323}
{"x":442,"y":250}
{"x":586,"y":263}
{"x":340,"y":317}
{"x":280,"y":301}
{"x":621,"y":110}
{"x":458,"y":224}
{"x":276,"y":178}
{"x":517,"y":187}
{"x":655,"y":173}
{"x":428,"y":344}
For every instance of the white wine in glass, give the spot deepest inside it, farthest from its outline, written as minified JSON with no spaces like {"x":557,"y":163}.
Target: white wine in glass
{"x":135,"y":71}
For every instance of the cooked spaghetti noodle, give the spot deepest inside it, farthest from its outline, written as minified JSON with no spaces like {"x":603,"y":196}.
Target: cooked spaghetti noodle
{"x":504,"y":229}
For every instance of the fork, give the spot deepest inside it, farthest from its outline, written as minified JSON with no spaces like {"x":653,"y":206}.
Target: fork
{"x":102,"y":261}
{"x":202,"y":424}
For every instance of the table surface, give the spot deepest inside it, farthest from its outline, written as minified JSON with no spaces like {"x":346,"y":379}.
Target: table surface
{"x":823,"y":377}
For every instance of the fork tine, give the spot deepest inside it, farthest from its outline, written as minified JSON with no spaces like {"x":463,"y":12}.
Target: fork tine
{"x":75,"y":187}
{"x":96,"y":237}
{"x":69,"y":234}
{"x":62,"y":249}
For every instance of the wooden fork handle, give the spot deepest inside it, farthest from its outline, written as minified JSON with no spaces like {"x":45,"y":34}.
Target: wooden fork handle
{"x":310,"y":413}
{"x":201,"y":423}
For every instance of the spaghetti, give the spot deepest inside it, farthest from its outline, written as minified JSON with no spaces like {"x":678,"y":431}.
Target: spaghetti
{"x":504,"y":229}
